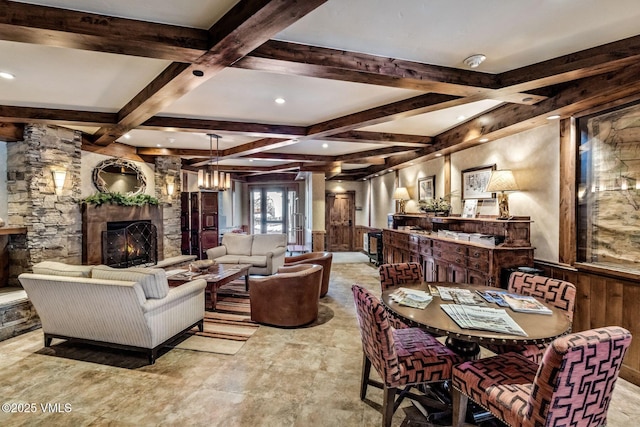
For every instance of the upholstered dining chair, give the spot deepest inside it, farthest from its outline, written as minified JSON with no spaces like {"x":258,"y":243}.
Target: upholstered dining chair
{"x":402,"y":357}
{"x":320,"y":258}
{"x":557,"y":293}
{"x":572,"y":385}
{"x":401,"y":273}
{"x":397,"y":274}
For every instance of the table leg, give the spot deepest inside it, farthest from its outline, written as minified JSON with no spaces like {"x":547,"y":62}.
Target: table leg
{"x":246,"y":282}
{"x":467,"y":349}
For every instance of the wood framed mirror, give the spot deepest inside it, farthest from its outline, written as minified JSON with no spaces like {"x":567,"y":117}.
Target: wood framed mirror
{"x":119,"y":176}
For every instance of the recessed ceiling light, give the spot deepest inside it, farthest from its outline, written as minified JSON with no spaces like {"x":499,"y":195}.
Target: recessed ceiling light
{"x":553,"y":117}
{"x":158,"y":145}
{"x":6,"y":75}
{"x":280,"y":101}
{"x":250,"y":160}
{"x":483,"y":140}
{"x":461,"y":118}
{"x":438,"y":154}
{"x":325,"y":145}
{"x":127,"y":136}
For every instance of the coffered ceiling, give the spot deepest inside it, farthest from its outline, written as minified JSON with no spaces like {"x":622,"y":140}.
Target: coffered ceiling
{"x":368,"y":84}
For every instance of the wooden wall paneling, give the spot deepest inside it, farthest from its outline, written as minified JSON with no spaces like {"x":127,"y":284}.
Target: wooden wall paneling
{"x":597,"y":315}
{"x":631,"y":321}
{"x":614,"y":303}
{"x":567,"y":226}
{"x":582,"y":315}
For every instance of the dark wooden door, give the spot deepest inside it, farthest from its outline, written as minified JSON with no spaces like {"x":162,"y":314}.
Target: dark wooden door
{"x":340,"y":221}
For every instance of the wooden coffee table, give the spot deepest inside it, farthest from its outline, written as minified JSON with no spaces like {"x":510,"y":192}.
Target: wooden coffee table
{"x":216,"y":276}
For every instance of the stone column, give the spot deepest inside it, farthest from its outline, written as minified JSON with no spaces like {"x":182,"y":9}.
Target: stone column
{"x":167,"y":171}
{"x":52,"y":217}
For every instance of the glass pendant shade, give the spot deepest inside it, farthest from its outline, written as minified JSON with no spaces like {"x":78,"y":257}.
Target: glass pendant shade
{"x":209,"y":177}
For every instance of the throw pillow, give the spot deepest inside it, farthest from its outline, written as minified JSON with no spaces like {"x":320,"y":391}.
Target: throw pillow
{"x":55,"y":268}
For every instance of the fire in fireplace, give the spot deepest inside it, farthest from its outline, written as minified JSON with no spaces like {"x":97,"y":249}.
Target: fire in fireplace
{"x":130,"y":243}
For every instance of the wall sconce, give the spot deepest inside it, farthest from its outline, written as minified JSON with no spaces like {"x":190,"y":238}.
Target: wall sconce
{"x":171,"y":185}
{"x":402,"y":195}
{"x":502,"y":180}
{"x":58,"y":179}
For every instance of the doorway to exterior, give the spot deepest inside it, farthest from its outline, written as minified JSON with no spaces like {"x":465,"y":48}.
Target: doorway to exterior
{"x":340,"y":221}
{"x":274,"y":210}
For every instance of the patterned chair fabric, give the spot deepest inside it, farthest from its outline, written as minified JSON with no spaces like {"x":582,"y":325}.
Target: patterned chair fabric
{"x":402,"y":357}
{"x":557,"y":293}
{"x":571,"y":387}
{"x":402,"y":273}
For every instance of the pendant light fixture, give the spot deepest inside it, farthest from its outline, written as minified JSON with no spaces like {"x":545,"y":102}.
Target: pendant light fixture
{"x":210,"y":178}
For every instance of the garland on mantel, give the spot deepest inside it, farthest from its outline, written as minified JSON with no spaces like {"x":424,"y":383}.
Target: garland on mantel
{"x":120,"y":199}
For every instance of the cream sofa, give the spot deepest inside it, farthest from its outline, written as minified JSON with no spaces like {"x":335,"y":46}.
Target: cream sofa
{"x":131,"y":308}
{"x":265,"y":252}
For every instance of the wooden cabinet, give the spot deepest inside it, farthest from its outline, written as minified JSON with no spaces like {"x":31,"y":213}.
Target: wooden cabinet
{"x":448,"y":260}
{"x":199,"y":222}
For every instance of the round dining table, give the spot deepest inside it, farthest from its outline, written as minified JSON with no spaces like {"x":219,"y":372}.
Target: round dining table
{"x":540,"y":328}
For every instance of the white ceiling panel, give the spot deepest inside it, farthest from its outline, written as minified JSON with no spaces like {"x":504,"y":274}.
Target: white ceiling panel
{"x":194,"y":13}
{"x":333,"y":148}
{"x":182,"y":140}
{"x":243,"y":95}
{"x":74,"y":79}
{"x":511,"y":34}
{"x":431,"y":124}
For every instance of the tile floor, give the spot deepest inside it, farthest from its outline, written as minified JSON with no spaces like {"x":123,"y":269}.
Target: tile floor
{"x":281,"y":377}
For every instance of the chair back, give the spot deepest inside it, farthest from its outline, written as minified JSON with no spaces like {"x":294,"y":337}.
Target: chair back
{"x":557,"y":293}
{"x":324,"y":259}
{"x":575,"y":380}
{"x":375,"y":330}
{"x":397,"y":274}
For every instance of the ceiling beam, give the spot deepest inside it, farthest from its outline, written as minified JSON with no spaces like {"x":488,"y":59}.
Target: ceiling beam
{"x":10,"y":132}
{"x":177,"y":124}
{"x":55,"y":116}
{"x":585,"y":63}
{"x":397,"y":110}
{"x":383,"y":138}
{"x":27,"y":23}
{"x":246,"y":26}
{"x":575,"y":97}
{"x":312,"y":61}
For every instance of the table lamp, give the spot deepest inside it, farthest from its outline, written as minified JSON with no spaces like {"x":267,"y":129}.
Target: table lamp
{"x":501,"y":181}
{"x":402,"y":195}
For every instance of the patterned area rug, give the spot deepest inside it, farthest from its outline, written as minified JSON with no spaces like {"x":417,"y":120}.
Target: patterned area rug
{"x":226,"y":329}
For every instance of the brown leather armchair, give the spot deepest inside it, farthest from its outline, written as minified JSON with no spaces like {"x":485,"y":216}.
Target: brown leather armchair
{"x":288,"y":298}
{"x":321,"y":258}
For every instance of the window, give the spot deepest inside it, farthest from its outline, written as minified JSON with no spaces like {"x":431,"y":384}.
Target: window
{"x":609,"y":188}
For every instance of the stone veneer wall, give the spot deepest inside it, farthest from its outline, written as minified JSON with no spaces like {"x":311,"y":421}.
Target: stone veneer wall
{"x":53,"y":219}
{"x":168,"y":170}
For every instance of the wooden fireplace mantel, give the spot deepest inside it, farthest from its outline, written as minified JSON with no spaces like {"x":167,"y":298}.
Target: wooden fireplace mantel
{"x":95,"y":219}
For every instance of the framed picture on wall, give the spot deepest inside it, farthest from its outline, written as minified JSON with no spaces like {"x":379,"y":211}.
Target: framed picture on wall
{"x":475,"y":180}
{"x":427,"y":187}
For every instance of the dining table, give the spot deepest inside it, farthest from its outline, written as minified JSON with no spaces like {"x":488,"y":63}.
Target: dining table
{"x":539,"y":328}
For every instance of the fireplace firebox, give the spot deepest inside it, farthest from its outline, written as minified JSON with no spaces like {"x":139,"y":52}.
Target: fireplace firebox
{"x":130,"y":243}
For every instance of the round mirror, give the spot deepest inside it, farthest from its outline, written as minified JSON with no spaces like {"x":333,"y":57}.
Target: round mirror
{"x":119,"y":176}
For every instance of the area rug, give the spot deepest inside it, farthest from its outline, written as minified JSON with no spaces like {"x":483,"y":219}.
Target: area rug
{"x":226,"y":329}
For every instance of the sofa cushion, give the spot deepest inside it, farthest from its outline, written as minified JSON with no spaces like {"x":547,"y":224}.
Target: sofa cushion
{"x":265,"y":243}
{"x":229,"y":259}
{"x":256,"y":261}
{"x":153,"y":280}
{"x":237,"y":244}
{"x":54,"y":268}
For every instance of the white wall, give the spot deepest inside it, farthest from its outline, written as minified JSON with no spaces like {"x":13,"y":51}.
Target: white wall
{"x":533,"y":156}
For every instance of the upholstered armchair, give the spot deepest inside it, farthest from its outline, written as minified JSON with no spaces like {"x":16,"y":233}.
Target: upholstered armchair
{"x":571,"y":386}
{"x":320,"y":258}
{"x":288,"y":298}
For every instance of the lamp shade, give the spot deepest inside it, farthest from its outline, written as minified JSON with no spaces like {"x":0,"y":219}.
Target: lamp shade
{"x":501,"y":180}
{"x":401,"y":193}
